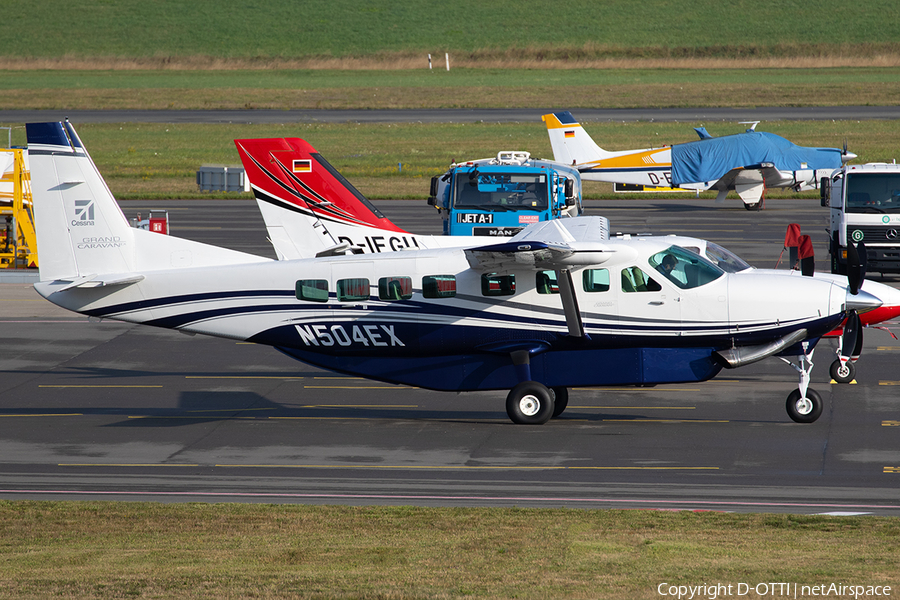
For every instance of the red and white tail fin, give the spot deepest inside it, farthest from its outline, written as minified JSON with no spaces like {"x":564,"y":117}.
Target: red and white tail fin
{"x":309,"y":207}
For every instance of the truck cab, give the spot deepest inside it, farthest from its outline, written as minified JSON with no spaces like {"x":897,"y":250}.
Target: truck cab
{"x":498,"y":197}
{"x":865,"y":207}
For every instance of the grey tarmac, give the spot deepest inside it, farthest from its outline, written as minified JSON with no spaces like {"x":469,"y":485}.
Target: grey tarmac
{"x":106,"y":410}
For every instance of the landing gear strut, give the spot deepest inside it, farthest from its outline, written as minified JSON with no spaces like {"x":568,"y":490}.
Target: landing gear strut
{"x":803,"y":405}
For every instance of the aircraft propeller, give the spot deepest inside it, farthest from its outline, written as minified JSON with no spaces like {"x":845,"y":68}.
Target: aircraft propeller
{"x":843,"y":369}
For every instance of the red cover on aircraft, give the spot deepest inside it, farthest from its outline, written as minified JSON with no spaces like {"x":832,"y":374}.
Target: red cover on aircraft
{"x":805,"y":246}
{"x":792,"y":236}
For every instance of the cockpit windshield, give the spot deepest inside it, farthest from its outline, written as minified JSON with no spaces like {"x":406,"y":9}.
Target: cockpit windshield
{"x":873,"y":193}
{"x":498,"y":191}
{"x":684,"y":268}
{"x":723,"y":258}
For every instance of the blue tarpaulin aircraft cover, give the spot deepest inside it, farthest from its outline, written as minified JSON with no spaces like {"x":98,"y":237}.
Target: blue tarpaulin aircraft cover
{"x":710,"y":159}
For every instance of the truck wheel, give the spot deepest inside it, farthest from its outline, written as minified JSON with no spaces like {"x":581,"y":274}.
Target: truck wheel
{"x":529,"y":403}
{"x":842,"y":373}
{"x":804,"y":410}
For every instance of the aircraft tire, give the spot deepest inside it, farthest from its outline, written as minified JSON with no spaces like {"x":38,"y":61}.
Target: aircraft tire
{"x":842,"y":374}
{"x":756,"y":206}
{"x":804,"y":410}
{"x":529,"y":403}
{"x":560,"y":400}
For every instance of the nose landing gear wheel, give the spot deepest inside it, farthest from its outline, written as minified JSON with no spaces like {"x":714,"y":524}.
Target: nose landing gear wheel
{"x":843,"y":373}
{"x":804,"y":410}
{"x":529,"y":403}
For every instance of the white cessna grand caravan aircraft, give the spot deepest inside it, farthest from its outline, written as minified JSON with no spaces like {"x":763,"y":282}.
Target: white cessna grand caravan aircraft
{"x":310,"y":209}
{"x":557,"y":306}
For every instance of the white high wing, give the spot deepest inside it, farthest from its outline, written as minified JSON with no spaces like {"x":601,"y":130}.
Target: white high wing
{"x":557,"y":306}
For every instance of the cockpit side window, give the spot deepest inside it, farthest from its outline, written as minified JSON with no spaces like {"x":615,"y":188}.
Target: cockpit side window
{"x":635,"y":280}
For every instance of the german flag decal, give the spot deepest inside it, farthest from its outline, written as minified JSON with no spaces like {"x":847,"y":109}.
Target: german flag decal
{"x":302,"y":165}
{"x":570,"y":134}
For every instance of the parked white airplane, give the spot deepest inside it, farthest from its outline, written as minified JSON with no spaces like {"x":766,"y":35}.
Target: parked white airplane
{"x":748,"y":163}
{"x":554,"y":307}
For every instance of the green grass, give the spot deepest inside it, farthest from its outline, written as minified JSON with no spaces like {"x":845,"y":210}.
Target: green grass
{"x":231,"y":28}
{"x":460,"y":88}
{"x":161,"y":160}
{"x":115,"y":550}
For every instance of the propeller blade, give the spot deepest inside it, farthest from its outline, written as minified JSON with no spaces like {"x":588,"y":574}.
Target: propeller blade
{"x":863,"y":262}
{"x":852,"y":333}
{"x":856,"y":266}
{"x":857,"y":348}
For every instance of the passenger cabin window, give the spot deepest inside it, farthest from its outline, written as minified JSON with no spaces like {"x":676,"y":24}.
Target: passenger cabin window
{"x":352,"y":290}
{"x":395,"y":288}
{"x":439,"y":286}
{"x":312,"y":290}
{"x":635,"y":280}
{"x":685,"y":269}
{"x":498,"y":285}
{"x":595,"y":280}
{"x":545,"y":282}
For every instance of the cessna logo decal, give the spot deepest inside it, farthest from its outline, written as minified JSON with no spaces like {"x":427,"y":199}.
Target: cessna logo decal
{"x":84,"y":213}
{"x":366,"y":335}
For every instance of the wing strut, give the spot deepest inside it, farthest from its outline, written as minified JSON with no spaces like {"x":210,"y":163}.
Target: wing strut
{"x":570,"y":303}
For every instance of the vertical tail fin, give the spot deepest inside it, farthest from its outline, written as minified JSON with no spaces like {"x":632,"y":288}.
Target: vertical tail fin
{"x":308,"y":206}
{"x":82,"y":235}
{"x":81,"y":231}
{"x":571,"y":144}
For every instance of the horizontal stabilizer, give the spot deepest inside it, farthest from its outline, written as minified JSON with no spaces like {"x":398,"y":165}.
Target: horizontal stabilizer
{"x":94,"y":281}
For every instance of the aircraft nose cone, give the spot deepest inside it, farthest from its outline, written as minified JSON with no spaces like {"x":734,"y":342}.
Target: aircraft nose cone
{"x":847,"y":156}
{"x":862,"y":301}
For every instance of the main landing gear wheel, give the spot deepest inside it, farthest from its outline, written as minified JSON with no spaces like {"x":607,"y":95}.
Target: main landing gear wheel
{"x":529,"y":403}
{"x":843,"y":373}
{"x":560,"y":400}
{"x":804,"y":410}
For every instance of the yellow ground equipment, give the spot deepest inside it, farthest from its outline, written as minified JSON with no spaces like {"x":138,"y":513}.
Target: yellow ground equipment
{"x":18,"y":244}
